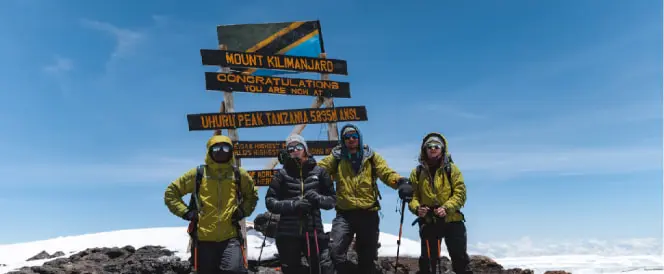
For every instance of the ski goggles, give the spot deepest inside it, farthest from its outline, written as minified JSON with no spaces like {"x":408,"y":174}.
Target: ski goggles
{"x":353,"y":135}
{"x":293,"y":148}
{"x":223,"y":147}
{"x":433,"y":146}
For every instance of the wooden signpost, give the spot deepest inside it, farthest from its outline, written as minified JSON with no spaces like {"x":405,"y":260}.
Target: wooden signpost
{"x":253,"y":58}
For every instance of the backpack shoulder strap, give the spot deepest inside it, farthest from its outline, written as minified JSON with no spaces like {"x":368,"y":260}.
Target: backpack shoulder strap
{"x":374,"y":177}
{"x":448,"y":173}
{"x":194,"y":203}
{"x":238,"y":184}
{"x":418,"y":171}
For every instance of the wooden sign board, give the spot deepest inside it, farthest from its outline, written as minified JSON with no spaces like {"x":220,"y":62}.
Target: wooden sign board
{"x":275,"y":85}
{"x":212,"y":121}
{"x":226,"y":58}
{"x":269,"y":149}
{"x":262,"y":177}
{"x":300,"y":38}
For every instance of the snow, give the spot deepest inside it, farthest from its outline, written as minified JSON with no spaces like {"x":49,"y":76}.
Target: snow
{"x":175,"y":238}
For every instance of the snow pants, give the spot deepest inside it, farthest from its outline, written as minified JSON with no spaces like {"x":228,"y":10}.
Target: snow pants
{"x":220,"y":257}
{"x":291,"y":249}
{"x":363,"y":224}
{"x":456,"y":239}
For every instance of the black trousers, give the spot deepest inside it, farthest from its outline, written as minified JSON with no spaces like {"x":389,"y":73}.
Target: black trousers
{"x":362,"y":224}
{"x":291,"y":249}
{"x":220,"y":257}
{"x":455,"y":237}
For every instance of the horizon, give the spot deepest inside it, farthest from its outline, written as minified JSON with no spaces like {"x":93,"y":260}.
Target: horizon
{"x":553,"y":111}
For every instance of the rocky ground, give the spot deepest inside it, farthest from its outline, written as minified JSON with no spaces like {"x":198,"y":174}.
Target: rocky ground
{"x":157,"y":259}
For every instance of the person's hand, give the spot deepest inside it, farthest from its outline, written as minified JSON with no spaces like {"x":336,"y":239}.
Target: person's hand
{"x":312,"y":196}
{"x":302,"y":205}
{"x":440,"y":212}
{"x":422,"y":211}
{"x":237,"y":216}
{"x":405,"y":189}
{"x":190,"y":215}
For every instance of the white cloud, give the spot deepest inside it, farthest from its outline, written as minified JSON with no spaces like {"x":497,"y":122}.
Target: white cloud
{"x":138,"y":169}
{"x":126,"y":39}
{"x":526,"y":247}
{"x":60,"y":65}
{"x":513,"y":160}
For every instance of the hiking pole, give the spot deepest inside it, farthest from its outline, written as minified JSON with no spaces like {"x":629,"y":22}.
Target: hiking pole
{"x":264,"y":237}
{"x":440,"y":266}
{"x":313,"y":225}
{"x":396,"y":262}
{"x":306,"y":234}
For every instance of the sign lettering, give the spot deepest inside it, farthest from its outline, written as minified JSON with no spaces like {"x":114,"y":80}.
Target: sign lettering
{"x":275,"y":85}
{"x":268,"y":149}
{"x":262,"y":177}
{"x":212,"y":121}
{"x":226,"y":58}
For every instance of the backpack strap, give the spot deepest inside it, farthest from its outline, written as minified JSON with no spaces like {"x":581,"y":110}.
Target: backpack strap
{"x":238,"y":184}
{"x":194,"y":203}
{"x":374,"y":178}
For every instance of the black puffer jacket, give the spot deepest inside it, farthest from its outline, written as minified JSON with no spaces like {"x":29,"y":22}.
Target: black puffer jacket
{"x":288,"y":186}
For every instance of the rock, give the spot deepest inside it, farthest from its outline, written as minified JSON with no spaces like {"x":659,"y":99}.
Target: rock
{"x":148,"y":259}
{"x":57,"y":254}
{"x":40,"y":256}
{"x":557,"y":272}
{"x":266,"y":223}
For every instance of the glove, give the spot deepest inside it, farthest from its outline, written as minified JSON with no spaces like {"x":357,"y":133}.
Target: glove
{"x":405,"y":189}
{"x":237,"y":216}
{"x":312,"y":196}
{"x":284,"y":156}
{"x":190,"y":215}
{"x":302,"y":205}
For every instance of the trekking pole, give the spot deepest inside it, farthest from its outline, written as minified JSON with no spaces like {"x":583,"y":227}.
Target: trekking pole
{"x":264,"y":237}
{"x":396,"y":262}
{"x":306,"y":234}
{"x":440,"y":266}
{"x":313,"y":225}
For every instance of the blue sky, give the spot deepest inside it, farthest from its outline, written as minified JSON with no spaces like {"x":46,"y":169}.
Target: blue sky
{"x":553,"y":110}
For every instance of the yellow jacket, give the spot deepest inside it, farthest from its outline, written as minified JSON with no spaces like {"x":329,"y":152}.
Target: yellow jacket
{"x":217,"y":195}
{"x":451,"y":195}
{"x":357,"y":191}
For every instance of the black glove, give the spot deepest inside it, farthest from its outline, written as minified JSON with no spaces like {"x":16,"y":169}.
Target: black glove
{"x":284,"y":156}
{"x":190,"y":215}
{"x":405,"y":189}
{"x":312,"y":196}
{"x":302,"y":206}
{"x":237,"y":216}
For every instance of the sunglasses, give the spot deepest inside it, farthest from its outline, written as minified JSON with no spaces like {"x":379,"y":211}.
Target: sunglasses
{"x":434,"y":146}
{"x":221,"y":147}
{"x":294,"y":148}
{"x":351,"y":136}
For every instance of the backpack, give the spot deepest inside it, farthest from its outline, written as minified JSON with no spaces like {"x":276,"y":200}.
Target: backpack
{"x":193,"y":201}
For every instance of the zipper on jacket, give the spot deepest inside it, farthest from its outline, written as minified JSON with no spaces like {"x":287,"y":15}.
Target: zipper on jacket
{"x":301,"y":195}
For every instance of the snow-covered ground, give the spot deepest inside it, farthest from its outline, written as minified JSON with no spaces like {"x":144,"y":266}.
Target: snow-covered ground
{"x":175,"y":238}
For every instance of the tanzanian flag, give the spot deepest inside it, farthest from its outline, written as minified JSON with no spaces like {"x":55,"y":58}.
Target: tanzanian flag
{"x":301,"y":38}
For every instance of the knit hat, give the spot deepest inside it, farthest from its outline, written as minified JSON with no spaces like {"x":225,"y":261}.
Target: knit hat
{"x":433,"y":139}
{"x":348,"y":129}
{"x":299,"y":139}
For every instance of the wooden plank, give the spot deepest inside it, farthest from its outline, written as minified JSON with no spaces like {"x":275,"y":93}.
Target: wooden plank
{"x":267,"y":149}
{"x":262,"y":177}
{"x":237,"y":82}
{"x":318,"y":101}
{"x":212,"y":121}
{"x":227,"y":58}
{"x":332,"y":132}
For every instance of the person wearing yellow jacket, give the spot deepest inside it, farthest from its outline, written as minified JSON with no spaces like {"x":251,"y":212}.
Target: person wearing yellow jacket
{"x":219,"y":243}
{"x":439,"y":194}
{"x":355,"y":167}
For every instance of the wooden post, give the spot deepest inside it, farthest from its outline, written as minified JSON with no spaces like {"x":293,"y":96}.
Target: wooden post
{"x":332,"y":133}
{"x":228,"y":106}
{"x":318,"y":101}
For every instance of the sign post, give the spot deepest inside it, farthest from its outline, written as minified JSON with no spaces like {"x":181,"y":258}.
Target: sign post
{"x":258,"y":58}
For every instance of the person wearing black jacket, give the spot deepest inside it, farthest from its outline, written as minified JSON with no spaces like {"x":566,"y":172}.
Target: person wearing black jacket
{"x":297,"y":192}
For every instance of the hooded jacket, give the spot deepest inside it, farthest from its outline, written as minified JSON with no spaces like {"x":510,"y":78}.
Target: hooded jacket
{"x":441,"y":192}
{"x":290,"y":184}
{"x":357,"y":190}
{"x":217,"y":195}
